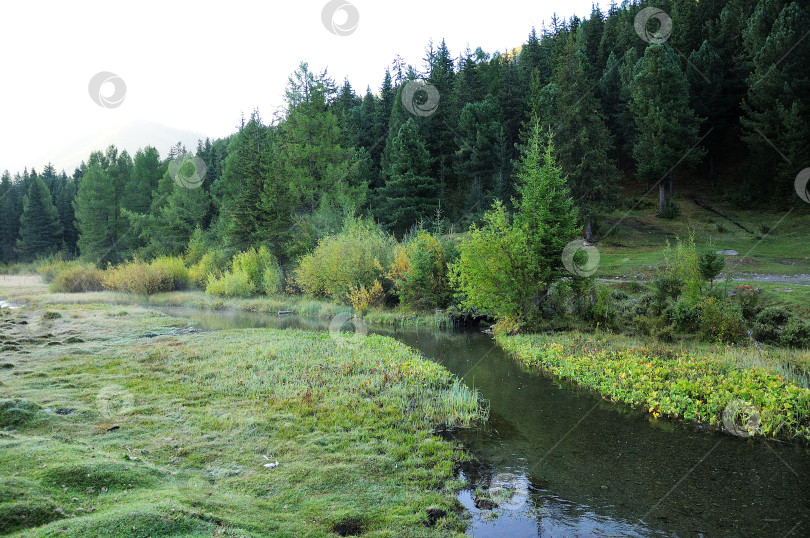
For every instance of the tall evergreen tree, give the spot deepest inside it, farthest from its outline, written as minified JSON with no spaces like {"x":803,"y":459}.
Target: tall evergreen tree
{"x":585,"y":146}
{"x":778,"y":91}
{"x":242,"y":218}
{"x":410,"y":195}
{"x":9,"y":218}
{"x":40,"y":229}
{"x":97,"y":207}
{"x":63,"y":200}
{"x":667,"y":127}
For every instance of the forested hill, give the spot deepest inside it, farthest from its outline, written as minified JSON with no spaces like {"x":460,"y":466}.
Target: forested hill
{"x":699,"y":86}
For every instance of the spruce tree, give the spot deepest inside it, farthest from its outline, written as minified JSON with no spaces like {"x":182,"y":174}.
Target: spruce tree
{"x":667,"y":127}
{"x":410,"y":195}
{"x":97,"y":210}
{"x":545,"y":210}
{"x":40,"y":229}
{"x":777,"y":92}
{"x":9,"y":218}
{"x":585,"y":147}
{"x":242,"y":216}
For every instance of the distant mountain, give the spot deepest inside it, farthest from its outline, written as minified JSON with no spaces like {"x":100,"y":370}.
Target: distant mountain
{"x":130,"y":137}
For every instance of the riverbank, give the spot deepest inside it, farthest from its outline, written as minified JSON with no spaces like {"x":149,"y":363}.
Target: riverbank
{"x":31,"y":290}
{"x":717,"y":386}
{"x":121,"y":421}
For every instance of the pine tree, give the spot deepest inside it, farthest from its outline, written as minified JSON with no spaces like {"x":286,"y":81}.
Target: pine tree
{"x":591,"y":37}
{"x":506,"y":267}
{"x":167,"y":228}
{"x":437,"y":129}
{"x":146,"y":172}
{"x":40,"y":229}
{"x":410,"y":195}
{"x":667,"y":127}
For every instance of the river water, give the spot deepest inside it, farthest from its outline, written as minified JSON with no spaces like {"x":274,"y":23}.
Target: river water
{"x":563,"y":462}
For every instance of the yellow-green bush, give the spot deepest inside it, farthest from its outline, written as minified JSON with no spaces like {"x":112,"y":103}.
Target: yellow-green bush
{"x":230,"y":284}
{"x":253,"y":263}
{"x":362,"y":298}
{"x":211,"y":263}
{"x":77,"y":278}
{"x":419,"y":271}
{"x":273,"y":280}
{"x":50,"y":269}
{"x":252,"y":271}
{"x":136,"y":276}
{"x":358,"y":256}
{"x":173,"y":267}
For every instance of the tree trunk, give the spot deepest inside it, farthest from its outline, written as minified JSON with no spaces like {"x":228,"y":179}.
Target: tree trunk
{"x":662,"y":197}
{"x":671,"y":187}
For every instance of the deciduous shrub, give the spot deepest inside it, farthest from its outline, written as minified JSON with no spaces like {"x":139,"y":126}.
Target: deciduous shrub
{"x":136,"y":276}
{"x":52,"y":267}
{"x":230,"y":284}
{"x":419,"y":271}
{"x":212,"y":263}
{"x":358,"y":256}
{"x":796,"y":333}
{"x":78,"y":279}
{"x":252,"y":271}
{"x":172,"y":267}
{"x":770,"y":322}
{"x":720,"y":321}
{"x":362,"y":298}
{"x":683,"y":315}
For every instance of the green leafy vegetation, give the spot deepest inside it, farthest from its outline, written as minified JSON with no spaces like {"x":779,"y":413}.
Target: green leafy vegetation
{"x":670,"y":382}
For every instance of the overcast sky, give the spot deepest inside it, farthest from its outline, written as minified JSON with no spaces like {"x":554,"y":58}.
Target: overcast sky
{"x":197,"y":66}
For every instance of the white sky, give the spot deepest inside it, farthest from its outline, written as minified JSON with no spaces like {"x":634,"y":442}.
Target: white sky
{"x":197,"y":66}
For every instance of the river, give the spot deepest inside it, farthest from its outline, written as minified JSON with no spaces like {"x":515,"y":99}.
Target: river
{"x":563,"y":462}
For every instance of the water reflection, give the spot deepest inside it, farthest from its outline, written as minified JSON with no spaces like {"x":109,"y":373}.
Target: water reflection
{"x":593,"y":468}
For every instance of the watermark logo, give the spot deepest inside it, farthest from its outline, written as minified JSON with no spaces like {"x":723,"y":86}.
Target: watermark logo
{"x":340,"y":17}
{"x":580,"y":258}
{"x":509,"y":491}
{"x":661,"y":35}
{"x":420,"y":98}
{"x":344,"y":338}
{"x":801,"y":185}
{"x":188,"y":171}
{"x":741,"y":419}
{"x":107,"y":89}
{"x":114,"y":400}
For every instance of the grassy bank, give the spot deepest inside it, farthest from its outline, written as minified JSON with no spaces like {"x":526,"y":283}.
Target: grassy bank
{"x":760,"y":394}
{"x":119,"y":421}
{"x":31,"y":290}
